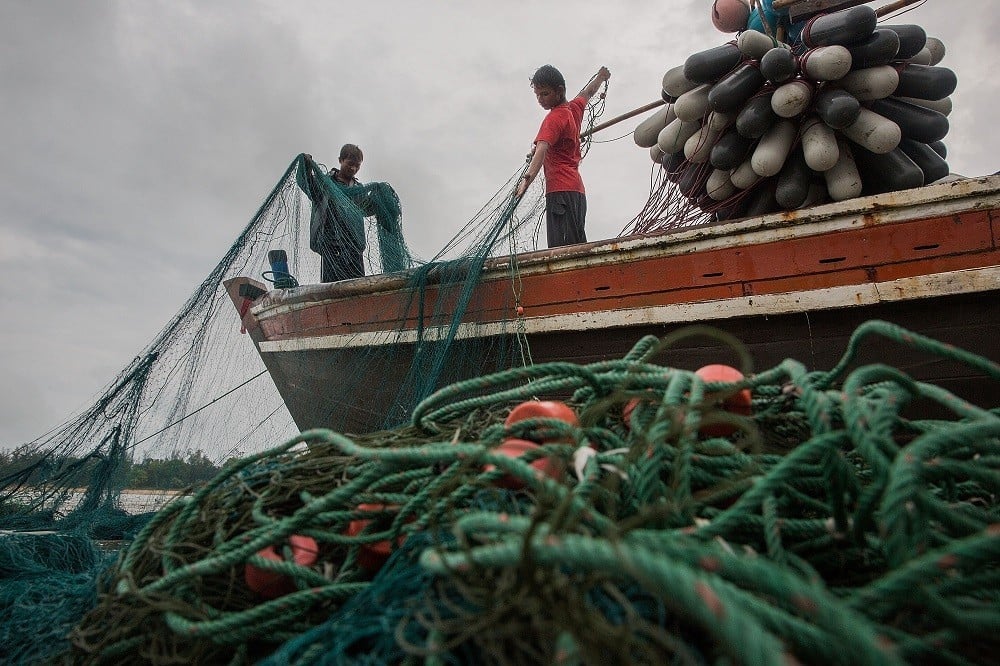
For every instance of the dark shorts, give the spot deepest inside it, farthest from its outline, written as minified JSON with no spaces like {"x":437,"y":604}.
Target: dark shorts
{"x":565,"y":215}
{"x":341,"y":262}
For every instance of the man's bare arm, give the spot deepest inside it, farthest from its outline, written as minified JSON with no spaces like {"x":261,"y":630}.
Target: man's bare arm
{"x":589,"y":90}
{"x":534,"y":167}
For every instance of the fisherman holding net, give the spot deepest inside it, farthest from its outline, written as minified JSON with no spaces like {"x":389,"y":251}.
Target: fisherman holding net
{"x":557,"y":150}
{"x":336,"y":226}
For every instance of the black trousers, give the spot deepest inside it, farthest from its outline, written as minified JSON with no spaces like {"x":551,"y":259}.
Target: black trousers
{"x":565,"y":216}
{"x":341,"y":262}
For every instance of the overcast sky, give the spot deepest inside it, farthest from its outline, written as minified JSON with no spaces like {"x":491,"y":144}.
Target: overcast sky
{"x":138,"y":138}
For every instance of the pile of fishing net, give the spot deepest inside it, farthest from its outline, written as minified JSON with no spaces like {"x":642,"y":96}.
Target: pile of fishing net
{"x":47,"y":583}
{"x":791,"y":115}
{"x":618,"y":512}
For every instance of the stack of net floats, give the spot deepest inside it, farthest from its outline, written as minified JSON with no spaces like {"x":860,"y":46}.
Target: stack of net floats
{"x":849,"y":107}
{"x":667,"y":516}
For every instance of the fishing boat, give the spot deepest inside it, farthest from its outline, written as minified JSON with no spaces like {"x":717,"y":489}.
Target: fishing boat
{"x":786,"y":285}
{"x":830,"y":203}
{"x":693,"y":547}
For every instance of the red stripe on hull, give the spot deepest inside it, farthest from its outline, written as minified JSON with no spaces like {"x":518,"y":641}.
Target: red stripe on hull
{"x":851,"y":257}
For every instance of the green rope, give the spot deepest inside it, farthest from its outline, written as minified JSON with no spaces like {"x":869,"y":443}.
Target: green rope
{"x":828,"y":528}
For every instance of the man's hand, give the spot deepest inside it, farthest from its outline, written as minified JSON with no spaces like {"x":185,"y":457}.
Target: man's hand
{"x":522,"y":187}
{"x":603,"y":74}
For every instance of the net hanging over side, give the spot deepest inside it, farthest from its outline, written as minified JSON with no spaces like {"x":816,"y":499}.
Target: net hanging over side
{"x":199,"y":392}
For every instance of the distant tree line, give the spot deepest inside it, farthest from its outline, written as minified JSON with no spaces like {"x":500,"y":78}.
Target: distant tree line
{"x":179,"y":470}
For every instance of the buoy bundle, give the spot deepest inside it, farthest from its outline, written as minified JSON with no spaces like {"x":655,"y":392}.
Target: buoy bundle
{"x":848,"y":107}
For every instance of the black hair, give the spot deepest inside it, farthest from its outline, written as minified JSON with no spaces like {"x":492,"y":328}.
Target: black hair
{"x":547,"y":75}
{"x":350,"y":151}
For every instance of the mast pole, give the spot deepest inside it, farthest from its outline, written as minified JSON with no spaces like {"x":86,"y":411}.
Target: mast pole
{"x":624,"y":116}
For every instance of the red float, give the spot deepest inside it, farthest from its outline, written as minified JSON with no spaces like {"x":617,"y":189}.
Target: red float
{"x":515,"y":448}
{"x":535,"y":409}
{"x":371,"y":556}
{"x":738,"y":403}
{"x":271,"y":584}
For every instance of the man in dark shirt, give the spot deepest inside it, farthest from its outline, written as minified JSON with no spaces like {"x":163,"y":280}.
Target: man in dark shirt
{"x":336,"y":228}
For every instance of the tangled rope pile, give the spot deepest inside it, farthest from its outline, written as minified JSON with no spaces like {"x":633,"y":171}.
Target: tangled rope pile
{"x":828,"y":526}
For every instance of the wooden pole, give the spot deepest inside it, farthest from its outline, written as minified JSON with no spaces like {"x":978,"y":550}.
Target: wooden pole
{"x":814,"y":6}
{"x":782,"y":4}
{"x":893,"y":6}
{"x":759,"y":6}
{"x":624,"y":116}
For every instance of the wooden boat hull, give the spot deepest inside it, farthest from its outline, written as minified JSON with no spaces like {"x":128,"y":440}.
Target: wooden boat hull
{"x":789,"y":285}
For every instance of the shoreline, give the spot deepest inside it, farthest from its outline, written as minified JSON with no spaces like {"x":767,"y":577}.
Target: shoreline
{"x":140,"y":491}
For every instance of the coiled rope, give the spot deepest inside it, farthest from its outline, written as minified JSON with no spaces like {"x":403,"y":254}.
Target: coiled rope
{"x":832,"y":526}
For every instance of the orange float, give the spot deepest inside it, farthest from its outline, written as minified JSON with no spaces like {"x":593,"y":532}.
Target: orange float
{"x":371,"y":556}
{"x":271,"y":584}
{"x":536,"y":409}
{"x":738,"y":403}
{"x":515,"y":448}
{"x":632,"y":403}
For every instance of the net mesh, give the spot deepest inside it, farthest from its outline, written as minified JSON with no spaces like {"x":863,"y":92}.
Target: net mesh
{"x":198,"y":394}
{"x":821,"y":525}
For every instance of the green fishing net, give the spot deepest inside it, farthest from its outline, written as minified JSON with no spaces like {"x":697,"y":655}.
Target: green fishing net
{"x":825,"y":525}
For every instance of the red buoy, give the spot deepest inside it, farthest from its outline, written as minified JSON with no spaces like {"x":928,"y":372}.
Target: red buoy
{"x":515,"y":448}
{"x":371,"y":556}
{"x":535,"y":409}
{"x":738,"y":403}
{"x":271,"y":584}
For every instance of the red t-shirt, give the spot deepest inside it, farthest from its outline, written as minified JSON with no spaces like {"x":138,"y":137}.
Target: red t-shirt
{"x":561,"y":130}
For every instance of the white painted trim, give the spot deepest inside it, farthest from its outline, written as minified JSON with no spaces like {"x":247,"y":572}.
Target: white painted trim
{"x":924,"y":286}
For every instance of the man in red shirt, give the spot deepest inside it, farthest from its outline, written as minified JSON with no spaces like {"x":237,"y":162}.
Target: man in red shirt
{"x":557,"y":150}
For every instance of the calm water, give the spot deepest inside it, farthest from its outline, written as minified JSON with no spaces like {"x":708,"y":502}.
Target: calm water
{"x":132,"y":501}
{"x":141,"y":502}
